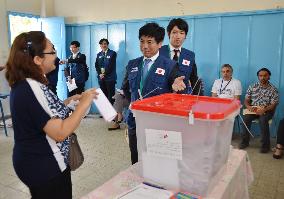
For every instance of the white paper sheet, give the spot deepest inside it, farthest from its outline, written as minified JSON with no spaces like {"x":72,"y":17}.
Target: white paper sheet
{"x":104,"y":106}
{"x":162,"y":143}
{"x":71,"y":86}
{"x":143,"y":191}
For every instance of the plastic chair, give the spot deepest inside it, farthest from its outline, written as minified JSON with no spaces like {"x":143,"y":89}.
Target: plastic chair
{"x":3,"y":96}
{"x":256,"y":121}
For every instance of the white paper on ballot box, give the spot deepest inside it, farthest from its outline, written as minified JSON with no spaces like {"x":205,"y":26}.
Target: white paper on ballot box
{"x":104,"y":106}
{"x":163,"y":143}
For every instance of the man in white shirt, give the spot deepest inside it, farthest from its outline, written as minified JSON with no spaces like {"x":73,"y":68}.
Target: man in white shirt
{"x":227,"y":86}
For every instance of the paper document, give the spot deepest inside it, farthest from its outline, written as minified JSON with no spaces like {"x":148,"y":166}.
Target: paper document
{"x":248,"y":112}
{"x":73,"y":104}
{"x":143,"y":191}
{"x":104,"y":106}
{"x":162,"y":143}
{"x":71,"y":86}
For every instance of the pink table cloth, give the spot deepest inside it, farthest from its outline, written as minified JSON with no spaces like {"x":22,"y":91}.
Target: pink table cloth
{"x":233,"y":184}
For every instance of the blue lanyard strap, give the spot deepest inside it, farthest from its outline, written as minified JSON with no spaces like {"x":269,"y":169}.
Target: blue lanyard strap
{"x":222,"y":89}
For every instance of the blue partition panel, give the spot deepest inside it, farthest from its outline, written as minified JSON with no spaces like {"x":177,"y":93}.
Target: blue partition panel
{"x":207,"y":48}
{"x":97,"y":33}
{"x":189,"y":42}
{"x":132,"y":40}
{"x":235,"y":47}
{"x":116,"y":37}
{"x":246,"y":40}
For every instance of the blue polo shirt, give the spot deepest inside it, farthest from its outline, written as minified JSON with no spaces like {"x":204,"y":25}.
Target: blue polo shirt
{"x":33,"y":157}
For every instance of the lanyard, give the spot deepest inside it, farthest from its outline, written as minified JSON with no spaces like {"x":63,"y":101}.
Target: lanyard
{"x":222,"y":89}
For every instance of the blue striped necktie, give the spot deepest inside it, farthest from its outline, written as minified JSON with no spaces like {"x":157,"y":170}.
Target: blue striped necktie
{"x":145,"y":68}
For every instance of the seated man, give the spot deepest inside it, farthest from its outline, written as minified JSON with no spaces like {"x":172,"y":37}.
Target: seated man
{"x":227,"y":86}
{"x":261,"y":101}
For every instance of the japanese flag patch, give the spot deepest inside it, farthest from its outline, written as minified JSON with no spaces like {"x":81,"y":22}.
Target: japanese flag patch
{"x":185,"y":62}
{"x":160,"y":71}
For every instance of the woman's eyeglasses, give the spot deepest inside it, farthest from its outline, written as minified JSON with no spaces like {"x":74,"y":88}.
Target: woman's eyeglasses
{"x":49,"y":53}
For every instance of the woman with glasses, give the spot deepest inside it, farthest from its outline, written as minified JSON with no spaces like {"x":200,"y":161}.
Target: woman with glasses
{"x":41,"y":121}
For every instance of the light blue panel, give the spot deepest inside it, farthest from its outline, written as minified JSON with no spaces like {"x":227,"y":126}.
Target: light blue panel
{"x":97,"y":33}
{"x":206,"y":45}
{"x":265,"y":46}
{"x":132,"y":40}
{"x":189,"y":42}
{"x":69,"y":36}
{"x":280,"y":109}
{"x":116,"y":37}
{"x":164,"y":24}
{"x":54,"y":28}
{"x":235,"y":47}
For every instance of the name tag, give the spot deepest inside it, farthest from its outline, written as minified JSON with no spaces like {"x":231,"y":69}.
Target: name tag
{"x":100,"y":57}
{"x":108,"y":56}
{"x":185,"y":62}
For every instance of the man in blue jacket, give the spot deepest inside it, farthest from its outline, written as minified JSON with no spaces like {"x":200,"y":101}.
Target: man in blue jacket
{"x":149,"y":75}
{"x":76,"y":66}
{"x":177,"y":31}
{"x":106,"y":69}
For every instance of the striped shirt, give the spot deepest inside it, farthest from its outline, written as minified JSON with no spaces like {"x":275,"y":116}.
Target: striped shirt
{"x":262,"y":96}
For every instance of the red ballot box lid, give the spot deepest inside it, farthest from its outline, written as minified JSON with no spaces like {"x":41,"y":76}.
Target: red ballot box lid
{"x":202,"y":107}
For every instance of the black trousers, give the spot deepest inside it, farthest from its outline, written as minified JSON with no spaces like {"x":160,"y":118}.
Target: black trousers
{"x":80,"y":89}
{"x":280,"y":133}
{"x":57,"y":188}
{"x":264,"y":128}
{"x":108,"y":87}
{"x":133,"y":145}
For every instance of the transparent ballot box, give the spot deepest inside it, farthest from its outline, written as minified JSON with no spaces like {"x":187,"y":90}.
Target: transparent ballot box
{"x":183,"y":140}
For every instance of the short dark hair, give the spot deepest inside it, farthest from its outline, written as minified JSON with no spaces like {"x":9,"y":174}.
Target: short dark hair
{"x":75,"y":43}
{"x":152,"y":30}
{"x":264,"y":69}
{"x":180,"y":23}
{"x":227,"y":66}
{"x":102,"y":40}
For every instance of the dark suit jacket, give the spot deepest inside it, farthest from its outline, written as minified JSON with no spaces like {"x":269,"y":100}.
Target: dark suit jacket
{"x":108,"y":62}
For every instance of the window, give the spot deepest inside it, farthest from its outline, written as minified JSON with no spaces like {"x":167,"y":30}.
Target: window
{"x":20,"y":22}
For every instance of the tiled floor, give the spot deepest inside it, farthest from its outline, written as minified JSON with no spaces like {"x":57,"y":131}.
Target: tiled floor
{"x":106,"y":153}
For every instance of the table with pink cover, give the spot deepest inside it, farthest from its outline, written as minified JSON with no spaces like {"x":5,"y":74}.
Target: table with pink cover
{"x":233,"y":184}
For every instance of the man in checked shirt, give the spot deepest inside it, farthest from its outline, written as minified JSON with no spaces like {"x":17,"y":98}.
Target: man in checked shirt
{"x":261,"y":101}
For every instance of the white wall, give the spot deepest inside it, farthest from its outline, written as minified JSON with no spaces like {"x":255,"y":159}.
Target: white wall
{"x":98,"y":11}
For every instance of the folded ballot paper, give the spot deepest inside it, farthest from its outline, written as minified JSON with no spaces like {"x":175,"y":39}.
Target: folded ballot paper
{"x":104,"y":106}
{"x":146,"y":191}
{"x":71,"y":86}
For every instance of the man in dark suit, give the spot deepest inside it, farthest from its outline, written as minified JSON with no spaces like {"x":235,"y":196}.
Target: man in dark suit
{"x":177,"y":31}
{"x":149,"y":75}
{"x":106,"y":69}
{"x":53,"y":77}
{"x":76,"y":66}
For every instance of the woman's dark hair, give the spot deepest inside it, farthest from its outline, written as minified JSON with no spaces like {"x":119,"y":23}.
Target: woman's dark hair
{"x":264,"y":69}
{"x":152,"y":30}
{"x":180,"y":23}
{"x":20,"y":64}
{"x":102,"y":40}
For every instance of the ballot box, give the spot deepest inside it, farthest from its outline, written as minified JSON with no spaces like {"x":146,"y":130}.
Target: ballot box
{"x":184,"y":140}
